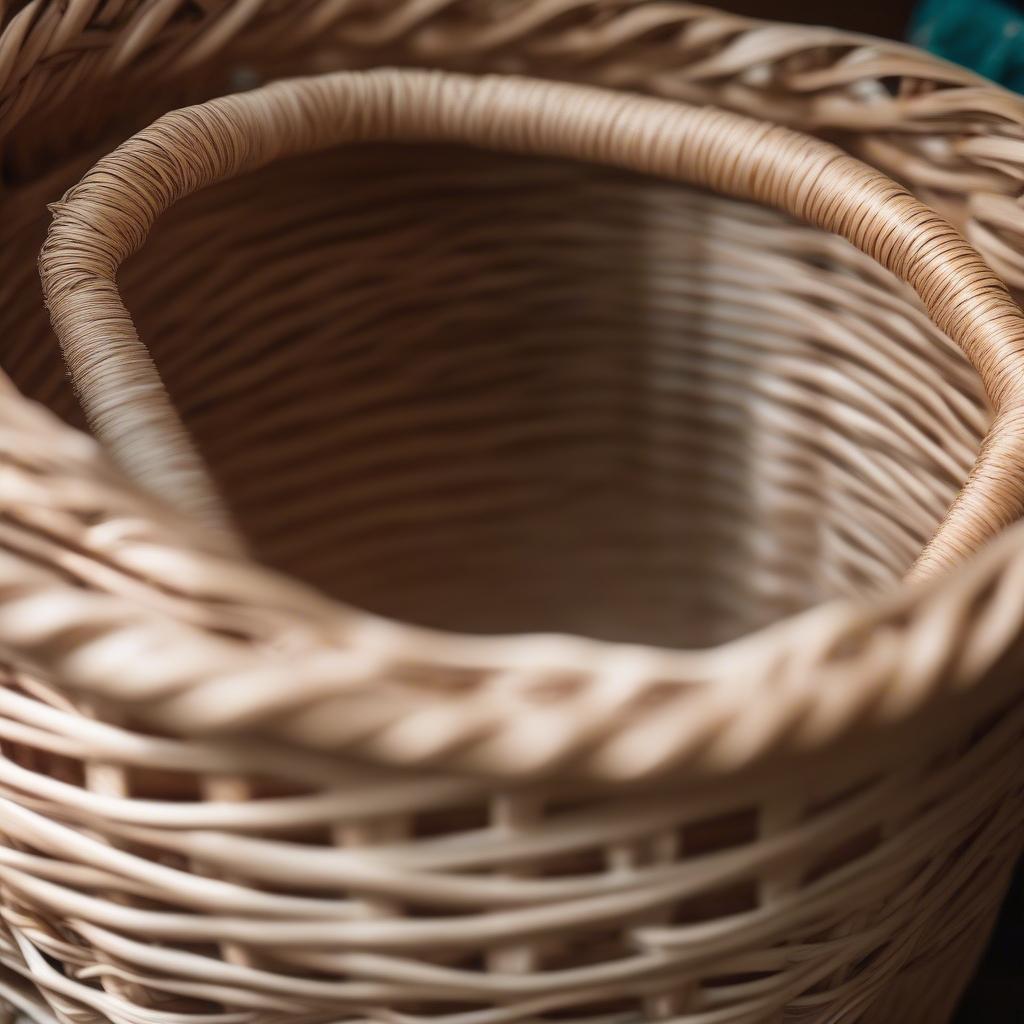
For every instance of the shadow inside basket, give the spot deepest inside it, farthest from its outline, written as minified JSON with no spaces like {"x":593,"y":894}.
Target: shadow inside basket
{"x":498,"y":394}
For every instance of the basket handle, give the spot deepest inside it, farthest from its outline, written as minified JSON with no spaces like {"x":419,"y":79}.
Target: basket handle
{"x":107,"y":216}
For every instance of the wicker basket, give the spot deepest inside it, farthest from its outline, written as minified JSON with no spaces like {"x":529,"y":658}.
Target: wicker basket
{"x":498,"y":390}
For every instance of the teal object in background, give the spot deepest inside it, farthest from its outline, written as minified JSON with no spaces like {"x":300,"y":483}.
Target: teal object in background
{"x":986,"y":36}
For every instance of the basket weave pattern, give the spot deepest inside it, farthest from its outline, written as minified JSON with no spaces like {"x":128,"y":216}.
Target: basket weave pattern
{"x":225,"y":797}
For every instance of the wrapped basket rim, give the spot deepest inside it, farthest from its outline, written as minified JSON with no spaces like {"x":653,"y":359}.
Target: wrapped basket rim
{"x":537,"y":703}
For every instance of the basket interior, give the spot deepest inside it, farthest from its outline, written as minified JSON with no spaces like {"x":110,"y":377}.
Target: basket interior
{"x":495,"y":394}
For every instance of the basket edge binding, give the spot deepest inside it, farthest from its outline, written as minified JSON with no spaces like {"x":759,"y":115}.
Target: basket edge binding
{"x":99,"y":223}
{"x":603,"y":725}
{"x":589,"y":45}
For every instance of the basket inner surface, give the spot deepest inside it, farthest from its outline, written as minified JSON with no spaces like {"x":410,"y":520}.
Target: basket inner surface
{"x":493,"y":394}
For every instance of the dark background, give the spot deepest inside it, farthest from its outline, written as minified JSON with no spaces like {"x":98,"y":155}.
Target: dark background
{"x":997,"y":995}
{"x":879,"y":19}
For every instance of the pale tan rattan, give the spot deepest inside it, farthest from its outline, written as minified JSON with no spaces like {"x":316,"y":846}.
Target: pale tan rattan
{"x":107,"y":217}
{"x":336,"y":817}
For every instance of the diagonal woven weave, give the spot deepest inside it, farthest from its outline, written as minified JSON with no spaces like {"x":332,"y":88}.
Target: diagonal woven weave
{"x":504,"y":392}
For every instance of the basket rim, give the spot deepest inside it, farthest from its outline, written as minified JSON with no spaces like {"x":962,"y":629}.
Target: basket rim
{"x":536,"y":703}
{"x":107,"y":216}
{"x":839,"y":669}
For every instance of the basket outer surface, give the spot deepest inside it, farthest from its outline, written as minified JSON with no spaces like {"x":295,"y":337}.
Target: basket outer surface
{"x":217,"y":809}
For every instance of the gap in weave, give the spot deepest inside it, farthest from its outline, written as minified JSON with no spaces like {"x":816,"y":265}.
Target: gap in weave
{"x":608,"y":1011}
{"x":844,"y":853}
{"x":725,"y":901}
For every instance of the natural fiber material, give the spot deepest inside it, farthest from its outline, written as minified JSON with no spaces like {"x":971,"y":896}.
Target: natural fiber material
{"x":495,"y":392}
{"x":107,"y":217}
